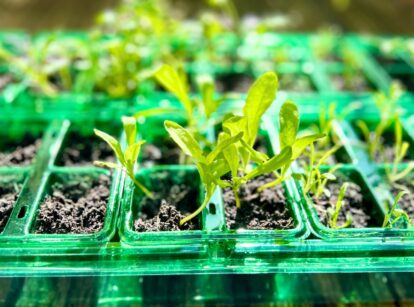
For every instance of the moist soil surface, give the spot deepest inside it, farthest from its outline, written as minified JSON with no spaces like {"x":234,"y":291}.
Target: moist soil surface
{"x":357,"y":84}
{"x":160,"y":153}
{"x":19,"y":153}
{"x":236,"y":83}
{"x":266,"y":210}
{"x":407,"y":201}
{"x":74,"y":206}
{"x":354,"y":204}
{"x":9,"y":193}
{"x":82,"y":150}
{"x":171,"y":203}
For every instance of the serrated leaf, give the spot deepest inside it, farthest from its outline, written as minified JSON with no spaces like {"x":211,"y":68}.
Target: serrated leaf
{"x":259,"y":98}
{"x":170,"y":79}
{"x":130,"y":128}
{"x":289,"y":124}
{"x":113,"y":143}
{"x":184,"y":140}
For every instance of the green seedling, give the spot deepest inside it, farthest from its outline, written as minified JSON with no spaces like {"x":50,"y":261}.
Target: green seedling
{"x":211,"y":166}
{"x":289,"y":118}
{"x":175,"y":81}
{"x":338,"y":206}
{"x":395,"y":214}
{"x":230,"y":9}
{"x":387,"y":106}
{"x":314,"y":180}
{"x":128,"y":157}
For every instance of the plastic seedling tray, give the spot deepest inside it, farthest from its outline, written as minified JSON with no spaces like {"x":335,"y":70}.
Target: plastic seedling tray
{"x":44,"y":172}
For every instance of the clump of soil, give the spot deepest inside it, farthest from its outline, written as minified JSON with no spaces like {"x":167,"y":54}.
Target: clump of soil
{"x":407,"y":201}
{"x":74,"y":206}
{"x":354,"y":203}
{"x":357,"y":84}
{"x":236,"y":83}
{"x":9,"y":192}
{"x":172,"y":202}
{"x":19,"y":153}
{"x":160,"y":153}
{"x":83,"y":150}
{"x":295,"y":83}
{"x":266,"y":210}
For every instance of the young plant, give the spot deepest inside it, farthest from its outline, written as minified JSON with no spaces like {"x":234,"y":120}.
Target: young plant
{"x":333,"y":214}
{"x":400,"y":150}
{"x":387,"y":106}
{"x":395,"y":214}
{"x":211,"y":166}
{"x":315,"y":181}
{"x":175,"y":81}
{"x":128,"y":157}
{"x":289,"y":124}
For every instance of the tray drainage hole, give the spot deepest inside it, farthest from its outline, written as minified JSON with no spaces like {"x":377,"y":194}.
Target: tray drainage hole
{"x":22,"y":212}
{"x":212,"y":208}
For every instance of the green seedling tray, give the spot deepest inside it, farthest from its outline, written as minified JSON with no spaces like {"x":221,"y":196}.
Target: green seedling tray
{"x":43,"y":172}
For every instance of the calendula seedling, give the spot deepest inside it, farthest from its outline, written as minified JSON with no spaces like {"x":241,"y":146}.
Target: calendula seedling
{"x":396,"y":214}
{"x":314,"y":180}
{"x":175,"y":81}
{"x":211,"y":166}
{"x":335,"y":213}
{"x":400,"y":150}
{"x":387,"y":106}
{"x":289,"y":124}
{"x":128,"y":157}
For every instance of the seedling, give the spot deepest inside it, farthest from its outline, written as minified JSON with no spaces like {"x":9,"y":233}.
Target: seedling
{"x":289,"y":125}
{"x":211,"y":166}
{"x":387,"y":106}
{"x":175,"y":81}
{"x":395,"y":214}
{"x":335,"y":213}
{"x":128,"y":157}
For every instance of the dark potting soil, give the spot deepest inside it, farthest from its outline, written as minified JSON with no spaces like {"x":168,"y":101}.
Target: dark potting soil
{"x":266,"y":210}
{"x":407,"y":201}
{"x":82,"y":150}
{"x":171,"y":203}
{"x":9,"y":192}
{"x":19,"y":153}
{"x":354,"y":203}
{"x":295,"y":83}
{"x":357,"y":84}
{"x":237,"y":83}
{"x":161,"y":152}
{"x":74,"y":206}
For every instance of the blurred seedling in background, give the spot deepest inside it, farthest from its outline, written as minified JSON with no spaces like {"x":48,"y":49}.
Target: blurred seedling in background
{"x":387,"y":105}
{"x":127,"y":158}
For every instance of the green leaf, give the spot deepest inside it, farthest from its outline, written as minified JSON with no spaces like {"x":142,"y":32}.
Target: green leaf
{"x":130,"y":128}
{"x":222,"y":143}
{"x":113,"y":143}
{"x":184,"y":140}
{"x":207,"y":88}
{"x":289,"y":124}
{"x":300,"y":145}
{"x":170,"y":79}
{"x":256,"y":156}
{"x":273,"y":164}
{"x":230,"y":154}
{"x":131,"y":154}
{"x":259,"y":98}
